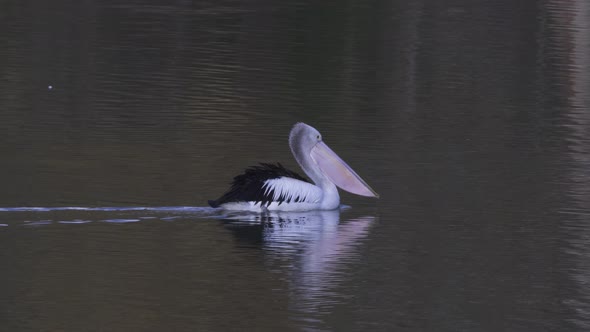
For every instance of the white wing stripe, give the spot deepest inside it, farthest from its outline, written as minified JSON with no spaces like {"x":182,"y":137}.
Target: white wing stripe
{"x":289,"y":189}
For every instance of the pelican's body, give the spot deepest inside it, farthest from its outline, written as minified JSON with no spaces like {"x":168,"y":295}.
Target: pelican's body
{"x":272,"y":187}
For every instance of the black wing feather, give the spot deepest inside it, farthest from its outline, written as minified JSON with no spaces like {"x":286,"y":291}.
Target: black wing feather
{"x":249,"y":186}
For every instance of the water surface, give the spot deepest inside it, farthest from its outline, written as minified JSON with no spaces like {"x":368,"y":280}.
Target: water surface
{"x":119,"y":121}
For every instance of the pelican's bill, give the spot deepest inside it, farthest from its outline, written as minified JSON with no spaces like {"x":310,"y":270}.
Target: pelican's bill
{"x":339,"y":172}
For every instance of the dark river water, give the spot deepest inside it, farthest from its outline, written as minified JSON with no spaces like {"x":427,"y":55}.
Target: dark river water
{"x":119,"y":120}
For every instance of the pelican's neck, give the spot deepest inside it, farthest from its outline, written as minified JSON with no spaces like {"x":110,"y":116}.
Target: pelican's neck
{"x":330,"y":193}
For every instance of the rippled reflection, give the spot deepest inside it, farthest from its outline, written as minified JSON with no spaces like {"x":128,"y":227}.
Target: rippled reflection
{"x":316,"y":249}
{"x":573,"y":25}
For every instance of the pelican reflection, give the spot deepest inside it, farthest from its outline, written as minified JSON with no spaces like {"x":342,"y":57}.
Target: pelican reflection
{"x":314,"y":250}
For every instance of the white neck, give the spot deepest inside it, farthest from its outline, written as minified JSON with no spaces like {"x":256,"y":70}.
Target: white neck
{"x":330,"y":198}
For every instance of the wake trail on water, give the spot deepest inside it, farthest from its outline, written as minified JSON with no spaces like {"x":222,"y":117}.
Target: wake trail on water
{"x":43,"y":215}
{"x":108,"y":209}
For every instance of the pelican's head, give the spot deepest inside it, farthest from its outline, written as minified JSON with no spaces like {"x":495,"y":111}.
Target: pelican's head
{"x":303,"y":138}
{"x":310,"y":151}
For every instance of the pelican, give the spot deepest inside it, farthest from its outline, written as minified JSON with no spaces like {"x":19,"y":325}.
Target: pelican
{"x":270,"y":187}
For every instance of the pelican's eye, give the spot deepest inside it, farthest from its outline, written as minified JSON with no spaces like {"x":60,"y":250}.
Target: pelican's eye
{"x":319,"y":138}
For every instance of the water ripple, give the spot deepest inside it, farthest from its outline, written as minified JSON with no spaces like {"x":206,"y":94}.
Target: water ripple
{"x":120,"y":221}
{"x":77,"y":221}
{"x":28,"y":215}
{"x":108,"y":209}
